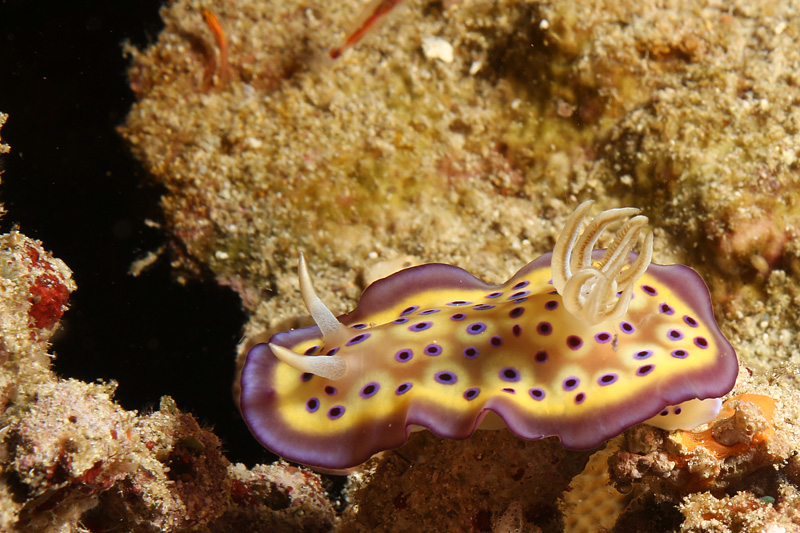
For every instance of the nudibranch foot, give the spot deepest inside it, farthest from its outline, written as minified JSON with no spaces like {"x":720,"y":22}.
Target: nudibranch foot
{"x":598,"y":291}
{"x":581,"y":344}
{"x":688,"y":415}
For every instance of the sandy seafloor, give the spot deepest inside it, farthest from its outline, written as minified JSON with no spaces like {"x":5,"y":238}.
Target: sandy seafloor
{"x":459,"y":132}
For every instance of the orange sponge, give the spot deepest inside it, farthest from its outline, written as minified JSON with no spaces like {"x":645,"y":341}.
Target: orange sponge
{"x":712,"y":438}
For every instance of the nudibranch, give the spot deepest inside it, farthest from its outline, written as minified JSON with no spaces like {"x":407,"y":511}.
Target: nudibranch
{"x":580,"y":344}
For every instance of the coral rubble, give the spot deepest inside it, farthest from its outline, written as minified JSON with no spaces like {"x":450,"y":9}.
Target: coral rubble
{"x":745,"y":460}
{"x":73,"y":460}
{"x":473,"y":484}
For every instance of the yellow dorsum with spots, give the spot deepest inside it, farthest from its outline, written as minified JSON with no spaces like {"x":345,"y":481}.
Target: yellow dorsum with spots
{"x":580,"y":344}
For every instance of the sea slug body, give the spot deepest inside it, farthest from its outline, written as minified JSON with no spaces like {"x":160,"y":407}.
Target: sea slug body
{"x":580,"y":344}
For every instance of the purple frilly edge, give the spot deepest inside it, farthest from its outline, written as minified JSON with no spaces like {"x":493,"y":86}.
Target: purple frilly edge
{"x":347,"y":449}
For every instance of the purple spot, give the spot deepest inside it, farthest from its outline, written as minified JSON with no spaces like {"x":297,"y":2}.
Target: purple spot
{"x":359,"y":326}
{"x":420,"y":326}
{"x":429,"y":311}
{"x":544,"y":328}
{"x":508,"y":390}
{"x":674,"y":335}
{"x":330,"y":391}
{"x":312,"y":405}
{"x":701,"y":342}
{"x":551,"y":305}
{"x":358,"y":338}
{"x":607,"y":379}
{"x":458,"y":316}
{"x":540,"y":357}
{"x":496,"y":340}
{"x":470,"y":352}
{"x":643,"y":354}
{"x":400,"y":320}
{"x":509,"y":374}
{"x":536,"y":394}
{"x":570,"y":383}
{"x":689,"y":320}
{"x":580,"y":397}
{"x":332,"y":351}
{"x":311,"y":350}
{"x":409,"y":310}
{"x":306,"y":376}
{"x":519,"y":300}
{"x":649,"y":290}
{"x":666,"y":309}
{"x":403,"y":388}
{"x":665,"y":412}
{"x":369,"y":390}
{"x":471,"y":394}
{"x":516,"y":330}
{"x":518,"y":295}
{"x":680,"y":354}
{"x":516,"y":312}
{"x":403,"y":355}
{"x":644,"y":370}
{"x":482,"y":307}
{"x":603,"y":337}
{"x":476,"y":327}
{"x":626,"y":327}
{"x":433,"y":349}
{"x":677,"y":410}
{"x":494,"y":295}
{"x":574,"y":342}
{"x":445,"y":378}
{"x":459,"y":302}
{"x":335,"y":412}
{"x":520,"y":285}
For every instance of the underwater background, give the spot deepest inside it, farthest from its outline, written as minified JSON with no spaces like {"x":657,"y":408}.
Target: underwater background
{"x":167,"y":163}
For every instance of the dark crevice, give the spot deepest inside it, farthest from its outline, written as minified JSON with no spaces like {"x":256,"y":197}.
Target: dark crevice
{"x":71,"y":182}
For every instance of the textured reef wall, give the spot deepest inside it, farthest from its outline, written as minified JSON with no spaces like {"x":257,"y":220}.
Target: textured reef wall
{"x":397,"y":153}
{"x":684,"y":110}
{"x":464,"y":132}
{"x":73,"y":460}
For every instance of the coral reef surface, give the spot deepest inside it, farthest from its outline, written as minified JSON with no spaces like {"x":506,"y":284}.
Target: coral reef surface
{"x":463,"y":132}
{"x":73,"y":460}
